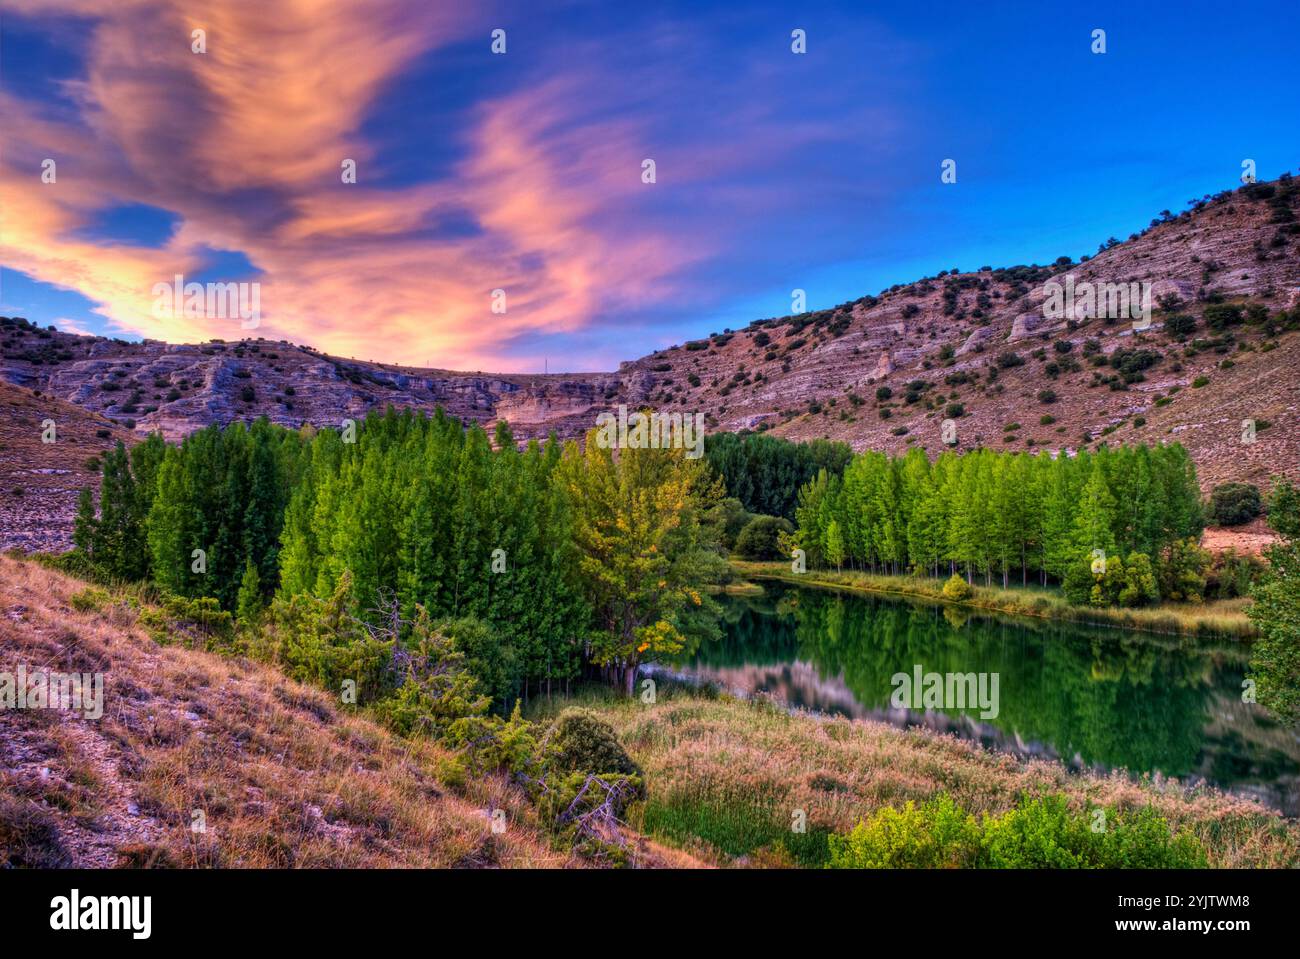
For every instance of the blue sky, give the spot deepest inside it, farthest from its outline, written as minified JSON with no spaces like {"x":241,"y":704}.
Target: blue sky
{"x":522,"y":171}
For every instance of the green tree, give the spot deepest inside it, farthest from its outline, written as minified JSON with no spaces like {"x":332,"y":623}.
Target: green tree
{"x":643,"y":550}
{"x":1275,"y":656}
{"x":248,"y":605}
{"x":834,"y":545}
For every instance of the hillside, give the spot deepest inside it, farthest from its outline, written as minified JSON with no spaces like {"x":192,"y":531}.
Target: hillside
{"x":282,"y":775}
{"x":882,"y":372}
{"x":39,"y":481}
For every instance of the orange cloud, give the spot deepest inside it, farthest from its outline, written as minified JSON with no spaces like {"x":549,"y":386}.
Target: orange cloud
{"x":244,"y":143}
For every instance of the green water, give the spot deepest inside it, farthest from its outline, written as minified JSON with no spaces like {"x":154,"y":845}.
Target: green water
{"x":1102,"y":699}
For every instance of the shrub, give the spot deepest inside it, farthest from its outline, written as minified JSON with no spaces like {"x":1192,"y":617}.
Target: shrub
{"x":200,"y":623}
{"x":954,"y":411}
{"x":883,"y":393}
{"x":938,"y":835}
{"x":89,"y":600}
{"x":1232,"y":504}
{"x":758,"y":540}
{"x":958,"y":589}
{"x":322,"y":642}
{"x":583,"y":742}
{"x":1220,"y":316}
{"x":1010,"y":358}
{"x":1047,"y":396}
{"x":438,"y":696}
{"x":1041,"y":832}
{"x":1182,"y":572}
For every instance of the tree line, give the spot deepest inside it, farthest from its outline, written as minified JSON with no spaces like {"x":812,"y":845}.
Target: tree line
{"x":766,"y":472}
{"x":1118,"y":526}
{"x":545,"y":561}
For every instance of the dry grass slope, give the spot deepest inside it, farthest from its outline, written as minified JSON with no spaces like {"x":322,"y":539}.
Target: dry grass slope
{"x":284,"y":777}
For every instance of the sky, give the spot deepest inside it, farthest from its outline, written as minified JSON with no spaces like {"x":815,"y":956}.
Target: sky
{"x":523,"y":171}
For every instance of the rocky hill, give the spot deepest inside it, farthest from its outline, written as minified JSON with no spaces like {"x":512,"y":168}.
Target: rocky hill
{"x":885,"y":371}
{"x":882,"y":372}
{"x":39,"y":480}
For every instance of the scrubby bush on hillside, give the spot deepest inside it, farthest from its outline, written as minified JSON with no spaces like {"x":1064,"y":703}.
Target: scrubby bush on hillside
{"x":323,"y":642}
{"x":1232,"y":504}
{"x":584,"y":742}
{"x":1220,"y":316}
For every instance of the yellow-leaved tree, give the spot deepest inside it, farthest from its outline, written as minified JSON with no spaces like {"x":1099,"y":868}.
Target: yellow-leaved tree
{"x":646,"y":549}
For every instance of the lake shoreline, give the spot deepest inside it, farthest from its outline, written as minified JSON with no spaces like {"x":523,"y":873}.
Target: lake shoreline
{"x":1167,"y":621}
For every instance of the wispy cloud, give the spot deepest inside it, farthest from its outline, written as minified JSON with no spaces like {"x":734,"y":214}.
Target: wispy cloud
{"x":244,"y":144}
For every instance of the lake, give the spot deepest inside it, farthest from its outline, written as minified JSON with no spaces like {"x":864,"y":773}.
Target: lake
{"x":1089,"y":697}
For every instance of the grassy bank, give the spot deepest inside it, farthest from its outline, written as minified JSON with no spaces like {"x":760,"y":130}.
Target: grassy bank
{"x":1219,"y":618}
{"x":281,"y":772}
{"x":726,"y":778}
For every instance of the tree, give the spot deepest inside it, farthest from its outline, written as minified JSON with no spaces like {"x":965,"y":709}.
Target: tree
{"x":118,"y":543}
{"x":85,"y":528}
{"x":643,"y":550}
{"x":834,"y":545}
{"x":1275,"y":656}
{"x":248,"y":605}
{"x":1139,"y":587}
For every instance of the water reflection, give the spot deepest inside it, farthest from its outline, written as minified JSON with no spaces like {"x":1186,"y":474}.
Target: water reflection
{"x":1093,"y":697}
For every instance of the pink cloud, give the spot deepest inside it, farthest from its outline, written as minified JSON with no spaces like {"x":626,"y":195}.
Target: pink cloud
{"x":245,"y":142}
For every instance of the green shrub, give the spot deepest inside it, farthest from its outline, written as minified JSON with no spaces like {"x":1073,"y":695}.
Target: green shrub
{"x":1041,"y":832}
{"x":938,"y":835}
{"x":759,"y":538}
{"x":1220,"y":316}
{"x":322,"y":642}
{"x":583,"y":742}
{"x":200,"y":623}
{"x":1232,"y":504}
{"x":89,"y":600}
